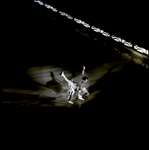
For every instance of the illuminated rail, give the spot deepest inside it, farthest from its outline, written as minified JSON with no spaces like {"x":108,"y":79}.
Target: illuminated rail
{"x":95,"y":29}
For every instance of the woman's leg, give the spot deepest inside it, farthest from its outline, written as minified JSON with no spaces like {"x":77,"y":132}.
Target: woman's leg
{"x":70,"y":83}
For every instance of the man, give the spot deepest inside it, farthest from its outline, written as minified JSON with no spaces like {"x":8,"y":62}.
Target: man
{"x":80,"y":87}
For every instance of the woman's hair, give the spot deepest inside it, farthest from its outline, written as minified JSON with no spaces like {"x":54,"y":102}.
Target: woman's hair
{"x":84,"y":78}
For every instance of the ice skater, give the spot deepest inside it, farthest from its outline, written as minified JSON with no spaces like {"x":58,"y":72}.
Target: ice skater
{"x":80,"y":87}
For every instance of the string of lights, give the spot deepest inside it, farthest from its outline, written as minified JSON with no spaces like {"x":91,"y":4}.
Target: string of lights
{"x":95,"y":29}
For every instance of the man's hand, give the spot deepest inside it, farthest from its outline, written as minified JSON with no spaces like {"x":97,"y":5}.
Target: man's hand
{"x":83,"y":67}
{"x":83,"y":70}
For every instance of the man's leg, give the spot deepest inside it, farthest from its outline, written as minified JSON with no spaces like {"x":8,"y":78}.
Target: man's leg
{"x":81,"y":92}
{"x":70,"y":95}
{"x":85,"y":92}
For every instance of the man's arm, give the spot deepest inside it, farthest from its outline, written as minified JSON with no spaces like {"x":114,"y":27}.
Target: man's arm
{"x":83,"y":70}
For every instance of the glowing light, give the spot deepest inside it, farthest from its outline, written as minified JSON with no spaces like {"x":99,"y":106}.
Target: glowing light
{"x":86,"y":25}
{"x":101,"y":31}
{"x":117,"y":38}
{"x":137,"y":47}
{"x":82,"y":22}
{"x":123,"y":41}
{"x":140,"y":49}
{"x":39,"y":2}
{"x":113,"y":36}
{"x":36,"y":1}
{"x":128,"y":44}
{"x":145,"y":51}
{"x":106,"y":34}
{"x":48,"y":6}
{"x":62,"y":13}
{"x":95,"y":29}
{"x":54,"y":9}
{"x":78,"y":20}
{"x":69,"y":17}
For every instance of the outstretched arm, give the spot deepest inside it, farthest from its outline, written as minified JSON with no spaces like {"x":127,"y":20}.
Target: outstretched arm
{"x":83,"y":70}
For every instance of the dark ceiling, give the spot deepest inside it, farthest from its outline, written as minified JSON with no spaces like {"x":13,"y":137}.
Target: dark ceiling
{"x":127,"y":20}
{"x":124,"y":19}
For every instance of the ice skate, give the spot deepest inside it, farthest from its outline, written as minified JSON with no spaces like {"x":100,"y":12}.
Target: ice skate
{"x":70,"y":102}
{"x":80,"y":98}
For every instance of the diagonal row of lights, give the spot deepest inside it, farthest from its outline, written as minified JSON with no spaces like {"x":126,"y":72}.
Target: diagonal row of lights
{"x":95,"y":29}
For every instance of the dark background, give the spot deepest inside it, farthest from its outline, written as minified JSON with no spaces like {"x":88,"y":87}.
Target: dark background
{"x":32,"y":38}
{"x":124,"y":19}
{"x":30,"y":28}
